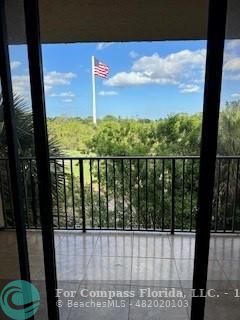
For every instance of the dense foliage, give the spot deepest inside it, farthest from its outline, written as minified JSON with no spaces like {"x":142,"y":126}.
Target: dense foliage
{"x":131,"y":193}
{"x":139,"y":193}
{"x":177,"y":134}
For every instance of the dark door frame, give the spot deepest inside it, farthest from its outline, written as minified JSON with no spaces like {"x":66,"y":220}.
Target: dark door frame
{"x":32,"y":25}
{"x":211,"y":105}
{"x":212,"y":91}
{"x":12,"y":144}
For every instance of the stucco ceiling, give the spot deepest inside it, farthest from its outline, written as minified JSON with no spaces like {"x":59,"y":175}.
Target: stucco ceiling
{"x":64,"y":21}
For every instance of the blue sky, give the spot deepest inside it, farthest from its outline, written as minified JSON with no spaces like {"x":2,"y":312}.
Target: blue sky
{"x":146,"y":80}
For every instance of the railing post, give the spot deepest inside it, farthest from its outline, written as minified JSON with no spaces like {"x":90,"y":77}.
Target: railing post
{"x":236,"y":198}
{"x":173,"y":196}
{"x":2,"y":215}
{"x":82,"y":193}
{"x":3,"y":220}
{"x":33,"y":196}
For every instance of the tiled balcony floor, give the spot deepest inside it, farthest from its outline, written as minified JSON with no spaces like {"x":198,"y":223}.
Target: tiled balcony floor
{"x":129,"y":261}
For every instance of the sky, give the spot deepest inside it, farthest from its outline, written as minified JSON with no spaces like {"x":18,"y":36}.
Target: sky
{"x":146,"y":80}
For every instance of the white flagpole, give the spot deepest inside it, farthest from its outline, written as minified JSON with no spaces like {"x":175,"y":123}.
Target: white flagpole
{"x":94,"y":93}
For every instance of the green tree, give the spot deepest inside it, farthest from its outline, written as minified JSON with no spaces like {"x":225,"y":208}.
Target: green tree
{"x":178,"y":135}
{"x":25,"y":140}
{"x":140,"y":201}
{"x":227,"y":179}
{"x":229,"y":129}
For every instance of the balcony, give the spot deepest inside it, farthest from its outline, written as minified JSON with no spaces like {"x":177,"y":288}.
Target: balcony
{"x":116,"y":260}
{"x":139,"y":217}
{"x":128,"y":193}
{"x":153,"y":200}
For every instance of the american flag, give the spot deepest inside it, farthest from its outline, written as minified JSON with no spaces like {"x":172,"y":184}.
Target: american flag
{"x":100,"y":69}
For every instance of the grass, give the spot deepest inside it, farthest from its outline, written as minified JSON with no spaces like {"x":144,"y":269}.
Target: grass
{"x":86,"y":169}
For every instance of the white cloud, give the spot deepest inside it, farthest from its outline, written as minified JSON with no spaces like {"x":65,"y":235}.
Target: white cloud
{"x":171,"y":65}
{"x":231,"y":68}
{"x":67,"y":100}
{"x":232,"y":64}
{"x":236,"y":95}
{"x":234,"y":77}
{"x":185,"y":69}
{"x":189,"y":88}
{"x":21,"y":83}
{"x":108,"y":93}
{"x":15,"y":64}
{"x":232,"y":44}
{"x":176,"y":68}
{"x":123,"y":79}
{"x":53,"y":78}
{"x":69,"y":94}
{"x":133,"y":54}
{"x":104,"y":45}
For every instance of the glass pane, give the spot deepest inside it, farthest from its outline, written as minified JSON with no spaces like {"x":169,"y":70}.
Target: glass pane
{"x":9,"y":266}
{"x":149,"y":105}
{"x":223,"y":271}
{"x":24,"y":124}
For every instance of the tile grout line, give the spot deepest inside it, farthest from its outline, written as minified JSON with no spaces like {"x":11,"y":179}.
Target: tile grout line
{"x":129,"y":307}
{"x":180,"y":282}
{"x":81,"y":281}
{"x":223,"y":271}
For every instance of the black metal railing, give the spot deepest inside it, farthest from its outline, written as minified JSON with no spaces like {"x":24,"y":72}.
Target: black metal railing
{"x":127,"y":193}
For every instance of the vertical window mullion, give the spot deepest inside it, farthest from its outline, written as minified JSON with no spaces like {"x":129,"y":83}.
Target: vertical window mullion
{"x":212,"y":92}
